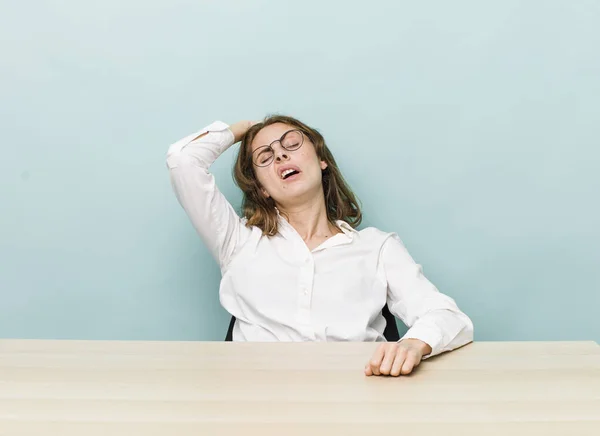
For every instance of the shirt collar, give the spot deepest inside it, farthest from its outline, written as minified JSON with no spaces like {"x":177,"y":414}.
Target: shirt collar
{"x":346,"y":228}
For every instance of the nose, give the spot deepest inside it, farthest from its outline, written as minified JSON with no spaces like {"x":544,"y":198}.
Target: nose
{"x":280,"y":153}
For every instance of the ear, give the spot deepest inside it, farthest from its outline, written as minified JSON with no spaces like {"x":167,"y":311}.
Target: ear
{"x":323,"y":165}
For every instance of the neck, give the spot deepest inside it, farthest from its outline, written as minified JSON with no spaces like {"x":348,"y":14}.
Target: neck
{"x":309,"y":219}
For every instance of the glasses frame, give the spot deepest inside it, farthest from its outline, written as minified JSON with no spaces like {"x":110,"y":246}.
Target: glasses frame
{"x":270,"y":146}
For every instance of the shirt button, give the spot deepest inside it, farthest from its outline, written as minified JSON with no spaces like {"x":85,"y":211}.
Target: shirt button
{"x":307,"y":260}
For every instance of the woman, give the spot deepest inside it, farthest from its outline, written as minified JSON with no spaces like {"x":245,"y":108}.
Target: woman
{"x":293,"y":267}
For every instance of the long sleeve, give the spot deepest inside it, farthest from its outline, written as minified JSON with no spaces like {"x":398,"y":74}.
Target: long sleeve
{"x":213,"y":217}
{"x":430,"y":315}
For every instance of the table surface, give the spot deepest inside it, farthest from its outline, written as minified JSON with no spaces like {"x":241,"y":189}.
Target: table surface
{"x":202,"y":388}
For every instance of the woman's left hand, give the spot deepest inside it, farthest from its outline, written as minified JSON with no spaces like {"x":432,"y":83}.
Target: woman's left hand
{"x":395,"y":358}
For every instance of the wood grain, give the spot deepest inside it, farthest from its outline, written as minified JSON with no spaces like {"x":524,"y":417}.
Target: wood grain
{"x":184,"y":388}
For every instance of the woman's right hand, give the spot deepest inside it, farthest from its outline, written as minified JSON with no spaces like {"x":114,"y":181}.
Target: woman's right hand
{"x":240,"y":128}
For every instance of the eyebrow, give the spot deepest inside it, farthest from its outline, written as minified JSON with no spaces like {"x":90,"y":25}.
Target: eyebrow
{"x":268,"y":145}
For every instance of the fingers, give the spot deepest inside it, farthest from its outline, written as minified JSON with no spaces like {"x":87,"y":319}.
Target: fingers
{"x":388,"y":359}
{"x":399,"y":361}
{"x":410,"y":362}
{"x":393,"y":359}
{"x":376,"y":360}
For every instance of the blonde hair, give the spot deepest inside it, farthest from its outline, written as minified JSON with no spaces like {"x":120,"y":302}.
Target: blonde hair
{"x":340,"y":201}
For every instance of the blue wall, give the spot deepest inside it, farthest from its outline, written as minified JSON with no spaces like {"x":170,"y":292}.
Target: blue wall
{"x":470,"y":128}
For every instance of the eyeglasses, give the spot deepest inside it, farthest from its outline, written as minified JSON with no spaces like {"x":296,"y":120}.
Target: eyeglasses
{"x":291,"y":140}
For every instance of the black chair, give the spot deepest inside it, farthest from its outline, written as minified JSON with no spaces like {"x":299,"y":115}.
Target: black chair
{"x":390,"y":332}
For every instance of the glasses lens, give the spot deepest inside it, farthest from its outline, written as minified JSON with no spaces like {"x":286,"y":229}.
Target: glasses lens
{"x":262,"y":156}
{"x":292,"y":140}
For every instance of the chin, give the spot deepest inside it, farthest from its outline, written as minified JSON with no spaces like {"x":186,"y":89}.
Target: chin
{"x":297,"y":193}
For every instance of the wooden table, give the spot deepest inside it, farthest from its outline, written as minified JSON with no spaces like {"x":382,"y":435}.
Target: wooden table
{"x":90,"y":388}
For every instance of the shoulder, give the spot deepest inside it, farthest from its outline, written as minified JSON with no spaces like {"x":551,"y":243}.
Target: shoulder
{"x":372,"y":237}
{"x":376,"y":236}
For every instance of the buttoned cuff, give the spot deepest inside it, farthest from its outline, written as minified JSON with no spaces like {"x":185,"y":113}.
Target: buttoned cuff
{"x":225,"y":138}
{"x":219,"y":138}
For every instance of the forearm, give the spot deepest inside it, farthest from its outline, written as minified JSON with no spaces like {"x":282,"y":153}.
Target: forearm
{"x":211,"y":214}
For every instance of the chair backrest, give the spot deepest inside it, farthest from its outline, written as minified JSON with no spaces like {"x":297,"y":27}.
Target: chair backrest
{"x":390,"y":332}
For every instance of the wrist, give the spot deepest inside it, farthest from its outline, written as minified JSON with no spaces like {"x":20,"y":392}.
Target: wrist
{"x":239,"y":129}
{"x":423,"y":346}
{"x":426,"y":348}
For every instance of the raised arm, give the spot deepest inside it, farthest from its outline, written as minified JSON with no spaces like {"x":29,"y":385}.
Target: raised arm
{"x":213,"y":217}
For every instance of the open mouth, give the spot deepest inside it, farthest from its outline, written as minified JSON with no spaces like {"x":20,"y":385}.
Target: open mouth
{"x":287,"y":174}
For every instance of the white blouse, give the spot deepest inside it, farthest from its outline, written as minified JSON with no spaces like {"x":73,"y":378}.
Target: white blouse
{"x":279,"y":290}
